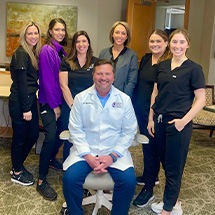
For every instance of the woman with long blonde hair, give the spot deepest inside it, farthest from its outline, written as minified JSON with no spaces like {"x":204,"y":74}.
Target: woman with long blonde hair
{"x":23,"y":101}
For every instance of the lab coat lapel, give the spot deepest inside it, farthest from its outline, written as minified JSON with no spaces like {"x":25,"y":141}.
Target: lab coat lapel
{"x":94,"y":96}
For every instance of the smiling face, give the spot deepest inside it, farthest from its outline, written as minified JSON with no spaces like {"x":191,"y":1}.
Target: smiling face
{"x":119,"y":35}
{"x":157,"y":45}
{"x":103,"y":77}
{"x":58,"y":32}
{"x":82,"y":44}
{"x":179,"y":45}
{"x":32,"y":36}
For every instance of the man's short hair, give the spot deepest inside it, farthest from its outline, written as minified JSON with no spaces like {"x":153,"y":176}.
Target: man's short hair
{"x":100,"y":62}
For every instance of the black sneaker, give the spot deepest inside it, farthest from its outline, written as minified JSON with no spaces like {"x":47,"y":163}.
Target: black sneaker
{"x":64,"y":211}
{"x":86,"y":193}
{"x":22,"y":178}
{"x":46,"y":191}
{"x":143,"y":198}
{"x":56,"y":165}
{"x":141,"y":182}
{"x":30,"y":175}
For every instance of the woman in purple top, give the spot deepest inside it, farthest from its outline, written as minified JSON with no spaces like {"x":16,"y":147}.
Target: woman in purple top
{"x":50,"y":97}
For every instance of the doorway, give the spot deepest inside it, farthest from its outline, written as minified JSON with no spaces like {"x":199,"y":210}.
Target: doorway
{"x":141,"y":18}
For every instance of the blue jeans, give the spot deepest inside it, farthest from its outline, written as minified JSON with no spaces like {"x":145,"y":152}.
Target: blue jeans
{"x":73,"y":181}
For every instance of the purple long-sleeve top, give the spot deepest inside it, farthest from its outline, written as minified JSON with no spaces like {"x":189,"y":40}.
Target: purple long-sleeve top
{"x":49,"y":64}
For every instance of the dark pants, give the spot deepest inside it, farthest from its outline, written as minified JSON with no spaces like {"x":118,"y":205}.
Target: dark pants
{"x":50,"y":127}
{"x":63,"y":122}
{"x":73,"y":181}
{"x":25,"y":133}
{"x":173,"y":148}
{"x":151,"y":158}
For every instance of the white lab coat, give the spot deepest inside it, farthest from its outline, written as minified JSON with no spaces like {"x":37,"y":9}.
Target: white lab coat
{"x":101,"y":130}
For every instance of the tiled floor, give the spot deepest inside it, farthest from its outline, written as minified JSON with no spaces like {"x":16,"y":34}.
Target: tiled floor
{"x":197,"y":191}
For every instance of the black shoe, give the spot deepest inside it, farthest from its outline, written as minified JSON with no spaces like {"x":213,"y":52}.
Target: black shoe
{"x":141,"y":182}
{"x":86,"y":193}
{"x":143,"y":198}
{"x":30,"y":175}
{"x":56,"y":165}
{"x":22,"y":178}
{"x":46,"y":191}
{"x":64,"y":211}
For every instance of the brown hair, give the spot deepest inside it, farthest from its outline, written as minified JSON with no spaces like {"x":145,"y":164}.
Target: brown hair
{"x":166,"y":55}
{"x":100,"y":62}
{"x":34,"y":52}
{"x":182,"y":31}
{"x":51,"y":26}
{"x":72,"y":56}
{"x":125,"y":24}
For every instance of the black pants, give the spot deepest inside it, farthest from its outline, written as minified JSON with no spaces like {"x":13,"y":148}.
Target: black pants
{"x":62,"y":124}
{"x":25,"y":133}
{"x":173,"y":148}
{"x":50,"y":127}
{"x":151,"y":158}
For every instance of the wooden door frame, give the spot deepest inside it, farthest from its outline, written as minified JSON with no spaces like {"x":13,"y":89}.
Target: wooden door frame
{"x":186,"y":14}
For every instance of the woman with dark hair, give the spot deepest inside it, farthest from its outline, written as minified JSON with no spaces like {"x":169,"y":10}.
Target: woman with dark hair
{"x":75,"y":76}
{"x":158,"y":46}
{"x":50,"y":98}
{"x":124,"y":59}
{"x":23,"y":101}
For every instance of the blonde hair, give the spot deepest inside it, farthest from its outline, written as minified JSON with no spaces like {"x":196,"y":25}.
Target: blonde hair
{"x":34,"y":52}
{"x":127,"y":28}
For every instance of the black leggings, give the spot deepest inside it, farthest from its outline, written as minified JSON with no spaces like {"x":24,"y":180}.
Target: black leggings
{"x":25,"y":133}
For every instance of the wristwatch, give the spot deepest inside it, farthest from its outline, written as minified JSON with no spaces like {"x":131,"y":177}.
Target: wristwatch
{"x":114,"y":158}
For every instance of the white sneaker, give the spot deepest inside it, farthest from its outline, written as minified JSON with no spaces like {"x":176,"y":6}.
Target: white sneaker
{"x":142,"y":139}
{"x":158,"y":207}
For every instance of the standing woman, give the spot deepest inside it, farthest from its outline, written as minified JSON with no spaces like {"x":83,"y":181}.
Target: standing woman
{"x":179,"y":81}
{"x":75,"y":76}
{"x":23,"y":101}
{"x":158,"y":45}
{"x":124,"y":59}
{"x":50,"y":98}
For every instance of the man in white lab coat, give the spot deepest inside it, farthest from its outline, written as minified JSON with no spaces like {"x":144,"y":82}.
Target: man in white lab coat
{"x":102,"y":127}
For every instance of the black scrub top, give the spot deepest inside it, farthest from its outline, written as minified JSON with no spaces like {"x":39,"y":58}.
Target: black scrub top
{"x":146,"y":78}
{"x":176,"y":88}
{"x":24,"y":77}
{"x":78,"y":80}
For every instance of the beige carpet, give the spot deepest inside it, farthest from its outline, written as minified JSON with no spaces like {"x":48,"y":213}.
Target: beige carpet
{"x":197,"y":191}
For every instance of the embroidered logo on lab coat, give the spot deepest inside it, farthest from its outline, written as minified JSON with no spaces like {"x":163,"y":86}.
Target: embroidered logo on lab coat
{"x":88,"y":103}
{"x":117,"y":105}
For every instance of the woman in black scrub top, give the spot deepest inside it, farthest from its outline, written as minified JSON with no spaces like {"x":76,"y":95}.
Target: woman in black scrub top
{"x":75,"y":76}
{"x":158,"y":45}
{"x":179,"y":81}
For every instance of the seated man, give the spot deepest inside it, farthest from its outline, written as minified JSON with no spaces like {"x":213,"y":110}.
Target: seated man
{"x":102,"y":127}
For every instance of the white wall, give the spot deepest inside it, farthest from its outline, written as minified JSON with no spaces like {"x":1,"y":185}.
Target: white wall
{"x":94,"y":16}
{"x":201,"y":28}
